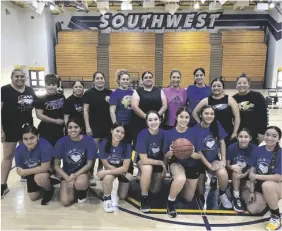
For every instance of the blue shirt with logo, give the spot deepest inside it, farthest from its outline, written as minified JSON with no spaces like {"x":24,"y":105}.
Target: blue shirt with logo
{"x":149,"y":144}
{"x":26,"y":159}
{"x":117,"y":155}
{"x":75,"y":154}
{"x":122,"y":100}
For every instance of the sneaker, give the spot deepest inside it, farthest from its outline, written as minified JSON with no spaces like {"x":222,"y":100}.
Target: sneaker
{"x":171,"y":211}
{"x":213,"y":182}
{"x":225,"y":201}
{"x":237,"y":205}
{"x":108,"y":206}
{"x":55,"y":179}
{"x":47,"y":196}
{"x":274,"y":223}
{"x":4,"y":190}
{"x":82,"y":196}
{"x":144,"y":205}
{"x":23,"y":179}
{"x":92,"y":182}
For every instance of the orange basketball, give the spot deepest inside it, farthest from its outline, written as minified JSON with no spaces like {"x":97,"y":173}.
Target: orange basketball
{"x":182,"y":148}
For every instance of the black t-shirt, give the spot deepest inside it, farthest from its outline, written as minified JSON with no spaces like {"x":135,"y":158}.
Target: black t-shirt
{"x":74,"y":107}
{"x":253,"y":112}
{"x":99,"y":111}
{"x":52,"y":105}
{"x":17,"y":108}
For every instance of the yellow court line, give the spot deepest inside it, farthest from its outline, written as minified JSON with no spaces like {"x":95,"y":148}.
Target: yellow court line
{"x":187,"y":210}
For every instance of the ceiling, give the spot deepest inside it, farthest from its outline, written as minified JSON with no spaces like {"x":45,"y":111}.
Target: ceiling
{"x":58,"y":7}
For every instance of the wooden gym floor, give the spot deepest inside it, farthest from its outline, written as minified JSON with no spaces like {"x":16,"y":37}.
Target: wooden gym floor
{"x":19,"y":213}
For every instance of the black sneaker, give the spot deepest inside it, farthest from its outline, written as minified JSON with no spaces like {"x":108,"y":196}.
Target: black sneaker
{"x":213,"y":183}
{"x":144,"y":205}
{"x":237,"y":205}
{"x":171,"y":212}
{"x":4,"y":190}
{"x":47,"y":196}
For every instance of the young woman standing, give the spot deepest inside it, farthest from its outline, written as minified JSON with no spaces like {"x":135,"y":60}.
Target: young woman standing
{"x":17,"y":102}
{"x":176,"y":97}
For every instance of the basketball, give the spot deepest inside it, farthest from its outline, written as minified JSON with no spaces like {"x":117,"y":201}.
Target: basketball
{"x":182,"y":148}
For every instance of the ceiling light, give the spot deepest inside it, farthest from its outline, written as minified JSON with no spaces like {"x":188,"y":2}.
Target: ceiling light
{"x":171,"y":7}
{"x":271,"y":5}
{"x":222,"y":1}
{"x":149,"y":3}
{"x":203,"y":1}
{"x":196,"y":6}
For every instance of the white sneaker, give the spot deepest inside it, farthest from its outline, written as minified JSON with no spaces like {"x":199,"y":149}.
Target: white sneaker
{"x":226,"y":203}
{"x":108,"y":207}
{"x":82,"y":200}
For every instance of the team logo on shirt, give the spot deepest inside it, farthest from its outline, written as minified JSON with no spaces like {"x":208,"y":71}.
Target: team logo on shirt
{"x":240,"y":161}
{"x":176,"y":100}
{"x":210,"y":143}
{"x":75,"y":156}
{"x":126,"y":101}
{"x":30,"y":163}
{"x":25,"y":102}
{"x":246,"y":106}
{"x":78,"y":107}
{"x":54,"y":104}
{"x":114,"y":159}
{"x":220,"y":107}
{"x":262,"y":166}
{"x":154,"y":149}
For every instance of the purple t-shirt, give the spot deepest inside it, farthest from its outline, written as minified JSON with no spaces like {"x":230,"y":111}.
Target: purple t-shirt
{"x":75,"y":153}
{"x":196,"y":94}
{"x":210,"y":143}
{"x":122,"y":100}
{"x":261,"y":159}
{"x":175,"y":99}
{"x":240,"y":156}
{"x":173,"y":134}
{"x":117,"y":154}
{"x":149,"y":144}
{"x":42,"y":153}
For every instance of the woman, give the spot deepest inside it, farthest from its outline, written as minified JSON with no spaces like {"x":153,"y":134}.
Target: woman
{"x":17,"y":102}
{"x":77,"y":152}
{"x":265,"y":178}
{"x":149,"y":149}
{"x":212,"y":136}
{"x":50,"y":110}
{"x":176,"y":97}
{"x":185,"y":173}
{"x":116,"y":157}
{"x":238,"y":157}
{"x":253,"y":109}
{"x":196,"y":92}
{"x":33,"y":158}
{"x":226,"y":110}
{"x":96,"y":113}
{"x":120,"y":103}
{"x":74,"y":106}
{"x":145,"y":99}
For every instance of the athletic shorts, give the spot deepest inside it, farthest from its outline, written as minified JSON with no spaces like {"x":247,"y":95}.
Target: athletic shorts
{"x":258,"y":186}
{"x":13,"y":134}
{"x":191,"y":172}
{"x":32,"y":186}
{"x":128,"y":133}
{"x":101,"y":131}
{"x":51,"y":132}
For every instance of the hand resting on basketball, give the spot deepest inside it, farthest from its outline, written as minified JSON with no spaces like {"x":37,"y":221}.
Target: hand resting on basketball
{"x":169,"y":154}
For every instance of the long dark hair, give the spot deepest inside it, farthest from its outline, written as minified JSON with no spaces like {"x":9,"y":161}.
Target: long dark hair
{"x":77,"y":121}
{"x":179,"y":111}
{"x":109,"y":140}
{"x":213,"y":126}
{"x":27,"y":128}
{"x":146,"y":72}
{"x":277,"y":146}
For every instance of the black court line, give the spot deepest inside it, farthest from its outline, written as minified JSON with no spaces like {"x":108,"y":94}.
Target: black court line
{"x":13,"y":167}
{"x":206,"y":221}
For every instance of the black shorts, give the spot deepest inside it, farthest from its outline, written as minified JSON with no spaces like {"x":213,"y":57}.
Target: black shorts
{"x":128,"y":133}
{"x":51,"y":132}
{"x":258,"y":186}
{"x":101,"y":131}
{"x":192,"y":172}
{"x":122,"y":177}
{"x":32,"y":186}
{"x":13,"y":134}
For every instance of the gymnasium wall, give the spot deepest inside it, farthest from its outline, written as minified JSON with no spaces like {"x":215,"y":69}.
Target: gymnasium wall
{"x":25,"y":41}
